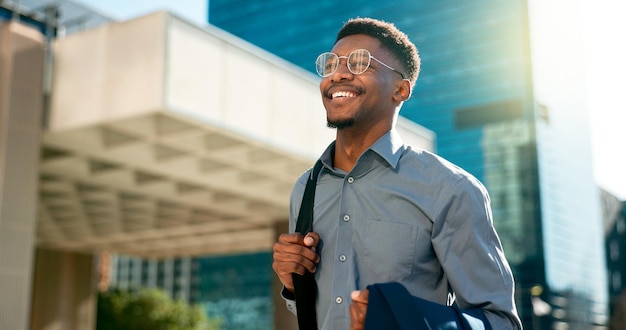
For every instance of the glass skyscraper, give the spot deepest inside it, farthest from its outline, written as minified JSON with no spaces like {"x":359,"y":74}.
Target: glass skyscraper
{"x":476,"y":92}
{"x":234,"y":288}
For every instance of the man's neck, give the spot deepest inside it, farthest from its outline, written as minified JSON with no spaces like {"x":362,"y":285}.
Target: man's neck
{"x":352,"y":142}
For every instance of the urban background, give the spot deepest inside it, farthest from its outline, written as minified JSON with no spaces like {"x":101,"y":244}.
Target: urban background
{"x":158,"y":150}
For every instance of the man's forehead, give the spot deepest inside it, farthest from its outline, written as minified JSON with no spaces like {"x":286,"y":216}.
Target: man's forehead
{"x":349,"y":43}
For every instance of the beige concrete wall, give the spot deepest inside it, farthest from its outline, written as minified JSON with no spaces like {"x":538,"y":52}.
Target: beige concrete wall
{"x":221,"y":79}
{"x":161,"y":64}
{"x":21,"y":106}
{"x":111,"y":72}
{"x":64,"y":291}
{"x":416,"y":135}
{"x":283,"y":318}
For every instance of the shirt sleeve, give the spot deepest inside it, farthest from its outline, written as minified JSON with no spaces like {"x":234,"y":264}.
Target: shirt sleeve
{"x":470,"y":253}
{"x":294,"y":207}
{"x":289,"y":300}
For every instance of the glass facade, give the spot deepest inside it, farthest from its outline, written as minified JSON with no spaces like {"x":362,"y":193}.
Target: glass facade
{"x":616,"y":263}
{"x":475,"y":92}
{"x":474,"y":56}
{"x":235,"y":288}
{"x":238,"y":289}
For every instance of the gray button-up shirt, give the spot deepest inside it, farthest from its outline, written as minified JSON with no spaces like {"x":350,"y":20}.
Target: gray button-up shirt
{"x":408,"y":216}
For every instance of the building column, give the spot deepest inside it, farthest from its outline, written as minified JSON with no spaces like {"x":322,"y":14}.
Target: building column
{"x":64,"y":291}
{"x":21,"y":107}
{"x":283,"y":318}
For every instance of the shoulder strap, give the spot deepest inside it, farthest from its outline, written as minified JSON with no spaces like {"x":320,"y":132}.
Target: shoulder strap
{"x":305,"y":288}
{"x":305,"y":216}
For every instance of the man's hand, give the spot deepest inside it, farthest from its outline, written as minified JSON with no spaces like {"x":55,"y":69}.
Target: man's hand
{"x":294,"y":253}
{"x":358,"y":308}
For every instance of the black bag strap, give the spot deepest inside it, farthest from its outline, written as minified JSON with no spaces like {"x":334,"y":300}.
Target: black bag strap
{"x":305,"y":288}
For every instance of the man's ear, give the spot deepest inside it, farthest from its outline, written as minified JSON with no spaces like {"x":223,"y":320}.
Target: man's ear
{"x":403,"y":91}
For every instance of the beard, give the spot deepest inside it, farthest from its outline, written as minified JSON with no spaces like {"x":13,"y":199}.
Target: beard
{"x":339,"y":124}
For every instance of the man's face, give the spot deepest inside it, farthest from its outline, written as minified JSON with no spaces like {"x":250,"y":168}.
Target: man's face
{"x":360,"y":99}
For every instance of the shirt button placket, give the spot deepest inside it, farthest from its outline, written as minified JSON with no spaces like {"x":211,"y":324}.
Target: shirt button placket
{"x":341,"y":272}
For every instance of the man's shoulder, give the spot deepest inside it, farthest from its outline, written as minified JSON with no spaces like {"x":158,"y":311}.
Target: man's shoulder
{"x":302,"y":179}
{"x":433,"y":165}
{"x":430,"y":160}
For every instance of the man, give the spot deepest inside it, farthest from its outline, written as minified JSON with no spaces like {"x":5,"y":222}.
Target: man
{"x":384,"y":211}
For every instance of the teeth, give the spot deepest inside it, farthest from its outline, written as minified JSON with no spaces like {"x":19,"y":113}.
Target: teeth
{"x":343,"y":94}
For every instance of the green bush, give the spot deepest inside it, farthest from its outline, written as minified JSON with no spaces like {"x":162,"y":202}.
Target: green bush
{"x":151,"y":309}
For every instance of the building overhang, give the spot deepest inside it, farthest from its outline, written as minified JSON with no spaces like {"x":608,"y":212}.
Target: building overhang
{"x":167,"y":139}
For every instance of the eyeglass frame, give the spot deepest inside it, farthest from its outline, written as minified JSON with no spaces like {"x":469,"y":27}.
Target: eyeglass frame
{"x":348,"y":63}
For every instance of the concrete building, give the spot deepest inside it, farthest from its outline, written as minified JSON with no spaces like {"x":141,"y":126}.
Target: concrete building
{"x":151,"y":138}
{"x":614,"y":214}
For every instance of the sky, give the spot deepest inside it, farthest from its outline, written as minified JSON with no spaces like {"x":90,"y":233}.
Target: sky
{"x":605,"y":67}
{"x":192,"y":10}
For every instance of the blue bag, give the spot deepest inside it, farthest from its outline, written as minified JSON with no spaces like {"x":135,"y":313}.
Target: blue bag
{"x":392,"y":307}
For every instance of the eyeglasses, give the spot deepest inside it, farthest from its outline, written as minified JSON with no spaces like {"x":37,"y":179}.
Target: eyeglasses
{"x":358,"y":62}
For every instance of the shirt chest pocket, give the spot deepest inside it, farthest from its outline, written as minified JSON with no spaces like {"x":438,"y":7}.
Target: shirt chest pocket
{"x":389,"y":250}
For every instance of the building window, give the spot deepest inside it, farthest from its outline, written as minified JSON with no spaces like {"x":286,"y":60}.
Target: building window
{"x":614,"y":250}
{"x":616,"y":280}
{"x":620,"y":225}
{"x":481,"y":115}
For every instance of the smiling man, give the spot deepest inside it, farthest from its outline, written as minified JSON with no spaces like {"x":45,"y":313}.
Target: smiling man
{"x":385,"y":211}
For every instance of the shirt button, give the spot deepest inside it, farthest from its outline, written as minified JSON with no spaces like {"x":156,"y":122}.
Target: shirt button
{"x":339,"y":300}
{"x":342,"y":258}
{"x":346,"y":218}
{"x":350,"y":179}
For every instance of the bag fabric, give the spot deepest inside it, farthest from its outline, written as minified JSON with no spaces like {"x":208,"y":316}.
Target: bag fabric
{"x":305,"y":287}
{"x":392,"y":307}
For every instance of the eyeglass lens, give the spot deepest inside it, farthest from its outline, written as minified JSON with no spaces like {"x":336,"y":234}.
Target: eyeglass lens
{"x":358,"y":62}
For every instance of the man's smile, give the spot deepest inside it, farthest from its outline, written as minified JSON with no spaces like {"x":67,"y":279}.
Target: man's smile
{"x":344,"y":93}
{"x":340,"y":94}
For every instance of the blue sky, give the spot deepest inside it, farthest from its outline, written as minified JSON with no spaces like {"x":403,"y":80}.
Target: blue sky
{"x":192,"y":10}
{"x":607,"y":73}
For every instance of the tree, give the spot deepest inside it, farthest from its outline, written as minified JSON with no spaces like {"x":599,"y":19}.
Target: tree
{"x":151,"y":309}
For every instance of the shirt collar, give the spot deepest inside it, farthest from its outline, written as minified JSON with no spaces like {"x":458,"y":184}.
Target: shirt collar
{"x":389,"y":147}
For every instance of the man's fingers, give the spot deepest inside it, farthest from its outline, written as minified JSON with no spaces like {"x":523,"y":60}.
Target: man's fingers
{"x":291,"y":255}
{"x":294,"y":238}
{"x":360,"y":296}
{"x":311,"y":239}
{"x":292,"y":263}
{"x":285,"y":269}
{"x":358,"y":309}
{"x":295,"y":253}
{"x":295,"y":245}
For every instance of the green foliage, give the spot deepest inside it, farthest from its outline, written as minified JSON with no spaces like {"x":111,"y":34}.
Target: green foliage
{"x":150,"y":309}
